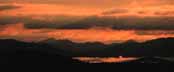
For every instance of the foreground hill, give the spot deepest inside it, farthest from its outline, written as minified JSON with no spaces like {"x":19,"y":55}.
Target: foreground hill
{"x":16,"y":52}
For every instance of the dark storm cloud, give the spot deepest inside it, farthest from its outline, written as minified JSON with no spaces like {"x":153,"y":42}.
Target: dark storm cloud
{"x":149,"y":32}
{"x":164,"y":13}
{"x":115,"y":11}
{"x":9,"y":20}
{"x":124,"y":23}
{"x":31,"y":22}
{"x":8,"y":7}
{"x":141,"y":12}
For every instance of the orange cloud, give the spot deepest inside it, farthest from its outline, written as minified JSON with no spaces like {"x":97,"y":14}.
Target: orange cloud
{"x":18,"y":31}
{"x":146,"y":11}
{"x":104,"y":36}
{"x":46,"y":9}
{"x":133,"y":8}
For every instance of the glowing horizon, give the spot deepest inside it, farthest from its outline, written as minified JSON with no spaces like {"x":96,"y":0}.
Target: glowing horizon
{"x":106,"y":36}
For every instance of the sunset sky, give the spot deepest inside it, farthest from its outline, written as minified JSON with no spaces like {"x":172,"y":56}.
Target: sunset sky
{"x":93,"y":7}
{"x":103,"y":21}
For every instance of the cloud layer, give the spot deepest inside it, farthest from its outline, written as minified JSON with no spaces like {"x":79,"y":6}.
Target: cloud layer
{"x":18,"y":31}
{"x":75,"y":22}
{"x":102,"y":20}
{"x":115,"y":11}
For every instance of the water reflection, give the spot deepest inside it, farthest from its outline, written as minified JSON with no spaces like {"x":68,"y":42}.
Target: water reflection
{"x":105,"y":59}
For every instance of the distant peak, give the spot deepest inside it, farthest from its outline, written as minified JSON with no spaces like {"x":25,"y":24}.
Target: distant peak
{"x":131,"y":41}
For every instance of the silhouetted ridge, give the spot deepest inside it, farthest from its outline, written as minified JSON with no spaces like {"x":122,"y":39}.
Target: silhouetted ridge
{"x":157,"y":47}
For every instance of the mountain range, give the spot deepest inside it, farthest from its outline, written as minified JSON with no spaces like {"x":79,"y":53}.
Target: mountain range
{"x":53,"y":51}
{"x":156,"y":47}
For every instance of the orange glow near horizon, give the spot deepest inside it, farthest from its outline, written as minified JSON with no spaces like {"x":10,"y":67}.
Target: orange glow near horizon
{"x":107,"y":36}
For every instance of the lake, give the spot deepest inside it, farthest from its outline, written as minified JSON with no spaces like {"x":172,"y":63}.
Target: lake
{"x":105,"y":59}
